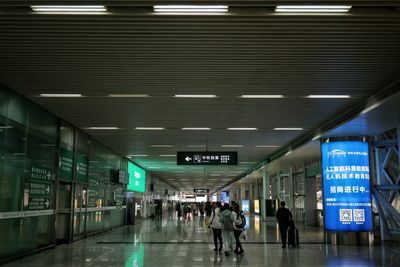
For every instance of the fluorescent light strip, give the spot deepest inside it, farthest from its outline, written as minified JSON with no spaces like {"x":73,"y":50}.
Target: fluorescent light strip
{"x":65,"y":9}
{"x":328,"y":96}
{"x":150,"y":128}
{"x":312,"y":9}
{"x":184,"y":9}
{"x":196,"y":146}
{"x":196,"y":128}
{"x":261,"y":96}
{"x":242,"y":129}
{"x":102,"y":128}
{"x":161,"y":146}
{"x":141,"y":155}
{"x":128,"y":95}
{"x":231,"y":145}
{"x":154,"y":167}
{"x":195,"y":96}
{"x":288,"y":129}
{"x":60,"y":95}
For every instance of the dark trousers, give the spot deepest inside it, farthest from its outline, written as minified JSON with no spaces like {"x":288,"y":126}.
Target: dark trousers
{"x":217,"y":236}
{"x":237,"y":239}
{"x":283,"y":227}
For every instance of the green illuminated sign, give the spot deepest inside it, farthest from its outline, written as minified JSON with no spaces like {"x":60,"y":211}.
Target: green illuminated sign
{"x":137,"y":178}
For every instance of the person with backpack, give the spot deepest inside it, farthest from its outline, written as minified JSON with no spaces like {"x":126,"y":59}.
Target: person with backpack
{"x":227,"y":228}
{"x":238,"y":226}
{"x":215,"y":225}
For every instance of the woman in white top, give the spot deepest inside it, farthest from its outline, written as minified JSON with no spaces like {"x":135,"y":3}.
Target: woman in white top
{"x":216,"y":226}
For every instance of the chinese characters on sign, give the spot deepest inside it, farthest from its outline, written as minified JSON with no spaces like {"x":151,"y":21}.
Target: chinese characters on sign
{"x":207,"y":158}
{"x":346,"y":186}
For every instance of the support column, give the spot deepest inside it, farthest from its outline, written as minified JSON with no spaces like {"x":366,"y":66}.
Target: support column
{"x":265,"y":196}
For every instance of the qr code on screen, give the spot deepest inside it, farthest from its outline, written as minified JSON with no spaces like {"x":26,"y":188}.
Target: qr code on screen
{"x":345,"y":215}
{"x":359,"y":215}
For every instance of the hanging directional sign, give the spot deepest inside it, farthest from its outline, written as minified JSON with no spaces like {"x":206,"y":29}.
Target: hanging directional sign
{"x":198,"y":190}
{"x":207,"y":158}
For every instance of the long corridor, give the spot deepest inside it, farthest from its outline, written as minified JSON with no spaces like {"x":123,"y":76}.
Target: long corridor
{"x":189,"y":243}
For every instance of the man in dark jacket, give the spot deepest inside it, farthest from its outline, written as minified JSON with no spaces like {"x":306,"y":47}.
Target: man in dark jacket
{"x":284,"y":216}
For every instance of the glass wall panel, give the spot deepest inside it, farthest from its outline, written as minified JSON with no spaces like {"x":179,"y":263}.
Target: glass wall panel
{"x":28,"y":137}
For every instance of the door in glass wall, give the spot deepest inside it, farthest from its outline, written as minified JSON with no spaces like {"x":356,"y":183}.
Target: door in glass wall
{"x":79,"y":218}
{"x":64,"y":212}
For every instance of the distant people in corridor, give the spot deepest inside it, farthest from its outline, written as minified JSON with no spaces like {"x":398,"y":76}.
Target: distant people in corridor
{"x":208,"y":209}
{"x":237,"y":227}
{"x":227,"y":228}
{"x":215,"y":225}
{"x":179,"y":210}
{"x":284,"y":216}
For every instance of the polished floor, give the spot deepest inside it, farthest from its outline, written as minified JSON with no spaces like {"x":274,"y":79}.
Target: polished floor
{"x":175,"y":243}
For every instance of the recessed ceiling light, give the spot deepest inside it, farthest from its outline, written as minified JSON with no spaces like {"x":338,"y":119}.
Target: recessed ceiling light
{"x":167,"y":155}
{"x":149,"y":128}
{"x":103,"y":128}
{"x":191,"y":9}
{"x":261,"y":96}
{"x":231,"y":145}
{"x":196,"y":128}
{"x":195,"y":96}
{"x":184,"y":179}
{"x":289,"y":129}
{"x":242,"y":129}
{"x":140,"y":155}
{"x":69,"y":9}
{"x":266,"y":146}
{"x":316,"y":137}
{"x":128,"y":95}
{"x":312,"y":8}
{"x":61,"y":95}
{"x":161,"y":146}
{"x":288,"y":153}
{"x":371,"y":108}
{"x":328,"y":96}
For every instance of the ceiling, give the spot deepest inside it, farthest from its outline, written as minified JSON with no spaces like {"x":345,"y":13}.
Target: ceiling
{"x":251,"y":50}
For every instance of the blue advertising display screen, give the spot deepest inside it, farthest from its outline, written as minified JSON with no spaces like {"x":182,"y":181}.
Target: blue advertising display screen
{"x":346,"y":186}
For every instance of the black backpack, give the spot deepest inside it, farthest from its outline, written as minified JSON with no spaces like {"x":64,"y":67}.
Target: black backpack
{"x":243,"y":219}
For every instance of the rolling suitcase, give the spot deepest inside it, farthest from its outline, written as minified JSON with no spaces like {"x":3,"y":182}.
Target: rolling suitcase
{"x":291,"y":237}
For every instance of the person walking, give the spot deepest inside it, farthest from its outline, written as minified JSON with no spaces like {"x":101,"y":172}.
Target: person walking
{"x":237,"y":227}
{"x":227,"y":228}
{"x":215,"y":225}
{"x":284,"y":216}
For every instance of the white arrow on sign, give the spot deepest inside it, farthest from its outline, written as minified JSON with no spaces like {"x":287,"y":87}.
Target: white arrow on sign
{"x":188,"y":159}
{"x":48,"y":189}
{"x":47,"y":203}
